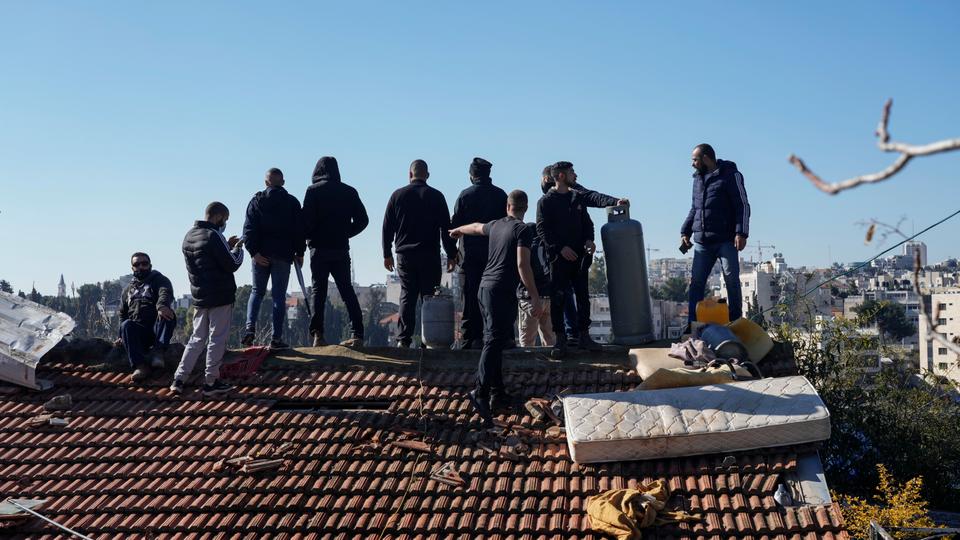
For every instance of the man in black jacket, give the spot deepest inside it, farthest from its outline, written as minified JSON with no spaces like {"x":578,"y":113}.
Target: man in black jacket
{"x":592,"y":199}
{"x":719,"y":222}
{"x":508,"y":264}
{"x":146,"y":319}
{"x":333,"y":214}
{"x":211,"y":261}
{"x":416,"y":221}
{"x":482,"y":202}
{"x":273,"y":233}
{"x":567,"y":233}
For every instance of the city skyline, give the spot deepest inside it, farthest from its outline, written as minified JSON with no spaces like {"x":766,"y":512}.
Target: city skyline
{"x":127,"y":121}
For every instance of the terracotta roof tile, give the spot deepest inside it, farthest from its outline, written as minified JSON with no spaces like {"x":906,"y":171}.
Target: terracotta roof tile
{"x":138,"y":460}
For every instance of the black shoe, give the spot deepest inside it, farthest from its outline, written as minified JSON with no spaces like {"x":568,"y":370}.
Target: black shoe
{"x":573,"y":341}
{"x":140,"y":375}
{"x":247,"y":340}
{"x":587,"y":343}
{"x":217,"y":389}
{"x":318,"y":341}
{"x":176,"y":387}
{"x":503,"y":400}
{"x":483,"y":408}
{"x":405,"y":343}
{"x":278,"y":345}
{"x":559,"y":349}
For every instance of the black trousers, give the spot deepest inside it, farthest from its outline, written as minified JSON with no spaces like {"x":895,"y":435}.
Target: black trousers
{"x":471,"y":324}
{"x":139,"y":338}
{"x":321,"y":269}
{"x":499,"y":308}
{"x":419,"y":276}
{"x":565,"y":275}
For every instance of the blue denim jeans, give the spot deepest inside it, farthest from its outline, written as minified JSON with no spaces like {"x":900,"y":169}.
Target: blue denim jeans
{"x":278,"y":272}
{"x":138,"y":339}
{"x":704,"y":257}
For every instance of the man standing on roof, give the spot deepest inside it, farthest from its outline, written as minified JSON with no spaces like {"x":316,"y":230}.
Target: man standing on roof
{"x":416,"y":220}
{"x":580,"y":288}
{"x":333,"y":214}
{"x":146,"y":319}
{"x":509,"y":241}
{"x":719,"y":221}
{"x":211,"y":261}
{"x":530,"y":325}
{"x":273,"y":233}
{"x":480,"y":203}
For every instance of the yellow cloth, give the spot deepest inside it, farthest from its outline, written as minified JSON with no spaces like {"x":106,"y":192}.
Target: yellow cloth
{"x":678,"y":377}
{"x":623,"y":512}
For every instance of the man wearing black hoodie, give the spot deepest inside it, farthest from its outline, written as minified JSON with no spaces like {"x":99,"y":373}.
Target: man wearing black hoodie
{"x":719,"y":222}
{"x":333,"y":214}
{"x":273,"y":233}
{"x":146,"y":319}
{"x":482,"y":202}
{"x":416,"y":221}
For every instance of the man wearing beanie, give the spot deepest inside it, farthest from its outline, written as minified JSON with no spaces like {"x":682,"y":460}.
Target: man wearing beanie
{"x":482,"y":202}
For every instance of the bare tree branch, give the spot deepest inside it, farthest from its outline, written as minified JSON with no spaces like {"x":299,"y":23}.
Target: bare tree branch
{"x":931,"y":334}
{"x":907,"y":152}
{"x":886,"y":229}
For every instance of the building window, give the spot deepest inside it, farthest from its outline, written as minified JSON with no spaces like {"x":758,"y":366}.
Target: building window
{"x":942,"y":350}
{"x":942,"y":366}
{"x":941,"y":306}
{"x":941,"y":321}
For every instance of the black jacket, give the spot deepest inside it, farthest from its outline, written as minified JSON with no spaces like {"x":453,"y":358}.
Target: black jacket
{"x":417,"y":220}
{"x":482,"y":202}
{"x":274,"y":226}
{"x":141,"y":298}
{"x":562,"y":221}
{"x":594,"y":199}
{"x":332,"y":212}
{"x":720,"y":209}
{"x":210,"y":266}
{"x":540,"y":264}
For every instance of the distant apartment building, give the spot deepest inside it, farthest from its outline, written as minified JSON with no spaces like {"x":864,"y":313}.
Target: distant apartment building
{"x":943,"y":306}
{"x":601,"y":324}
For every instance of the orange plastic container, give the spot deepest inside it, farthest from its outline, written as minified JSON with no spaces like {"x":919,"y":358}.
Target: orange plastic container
{"x":754,"y":337}
{"x":711,"y":310}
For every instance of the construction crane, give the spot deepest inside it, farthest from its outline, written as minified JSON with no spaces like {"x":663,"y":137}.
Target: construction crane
{"x":761,"y":247}
{"x":649,"y":250}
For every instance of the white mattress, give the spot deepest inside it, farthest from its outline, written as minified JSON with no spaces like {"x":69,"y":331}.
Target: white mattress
{"x":651,"y":424}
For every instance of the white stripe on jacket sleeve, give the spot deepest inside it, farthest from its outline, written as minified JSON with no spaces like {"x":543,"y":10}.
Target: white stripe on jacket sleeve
{"x":738,"y":178}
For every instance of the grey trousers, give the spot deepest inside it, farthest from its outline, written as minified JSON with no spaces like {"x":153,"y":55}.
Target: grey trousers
{"x":211,"y":326}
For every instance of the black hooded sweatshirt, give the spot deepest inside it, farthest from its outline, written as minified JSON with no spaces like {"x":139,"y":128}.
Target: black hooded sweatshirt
{"x":482,"y":202}
{"x":418,"y":220}
{"x":142,"y":297}
{"x":332,"y":212}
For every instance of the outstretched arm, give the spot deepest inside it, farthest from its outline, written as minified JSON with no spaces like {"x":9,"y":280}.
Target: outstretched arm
{"x":470,"y":229}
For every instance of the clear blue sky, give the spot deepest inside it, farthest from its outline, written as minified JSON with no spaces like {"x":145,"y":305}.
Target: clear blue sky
{"x":120,"y":121}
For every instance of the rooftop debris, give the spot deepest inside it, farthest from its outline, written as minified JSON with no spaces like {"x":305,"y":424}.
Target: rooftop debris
{"x":447,"y":474}
{"x":265,"y":460}
{"x":27,"y":331}
{"x":59,"y":403}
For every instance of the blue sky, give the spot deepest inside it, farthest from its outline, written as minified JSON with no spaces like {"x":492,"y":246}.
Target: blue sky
{"x":122,"y":120}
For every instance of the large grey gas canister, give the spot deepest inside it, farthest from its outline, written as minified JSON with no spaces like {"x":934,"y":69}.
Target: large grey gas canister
{"x":436,"y":316}
{"x":627,"y":286}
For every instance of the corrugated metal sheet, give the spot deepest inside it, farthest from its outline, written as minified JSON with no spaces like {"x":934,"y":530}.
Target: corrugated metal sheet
{"x":27,"y":331}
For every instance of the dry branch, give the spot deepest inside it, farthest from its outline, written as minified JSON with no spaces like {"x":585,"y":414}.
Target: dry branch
{"x":906,"y":151}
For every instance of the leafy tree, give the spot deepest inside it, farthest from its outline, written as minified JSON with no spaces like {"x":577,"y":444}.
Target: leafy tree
{"x":890,"y":318}
{"x":35,"y":296}
{"x":755,"y":314}
{"x":375,"y":334}
{"x":597,"y":278}
{"x":894,"y":505}
{"x":886,"y":417}
{"x":673,"y":289}
{"x":5,"y":286}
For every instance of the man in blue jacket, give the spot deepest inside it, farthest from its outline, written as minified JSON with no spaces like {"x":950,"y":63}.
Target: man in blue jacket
{"x":273,"y":233}
{"x":719,"y":222}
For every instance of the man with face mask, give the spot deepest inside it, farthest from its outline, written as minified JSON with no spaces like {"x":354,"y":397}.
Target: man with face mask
{"x":719,"y":222}
{"x":211,"y":261}
{"x":146,"y":319}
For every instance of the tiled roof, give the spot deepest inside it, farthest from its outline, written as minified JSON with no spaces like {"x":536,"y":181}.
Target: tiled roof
{"x":140,"y":463}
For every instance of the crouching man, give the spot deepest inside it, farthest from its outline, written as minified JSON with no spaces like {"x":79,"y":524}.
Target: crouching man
{"x":146,"y":319}
{"x":508,"y":262}
{"x":211,"y":261}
